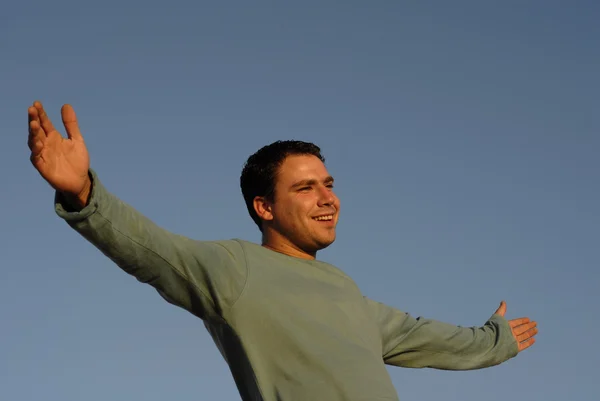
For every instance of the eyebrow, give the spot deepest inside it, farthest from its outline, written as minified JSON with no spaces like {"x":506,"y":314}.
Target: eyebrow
{"x":327,"y":180}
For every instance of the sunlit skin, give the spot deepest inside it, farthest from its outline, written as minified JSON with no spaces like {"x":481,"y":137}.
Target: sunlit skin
{"x":303,"y":191}
{"x":62,"y":162}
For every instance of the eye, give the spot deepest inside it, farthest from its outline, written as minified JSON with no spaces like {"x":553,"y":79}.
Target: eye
{"x":304,"y":189}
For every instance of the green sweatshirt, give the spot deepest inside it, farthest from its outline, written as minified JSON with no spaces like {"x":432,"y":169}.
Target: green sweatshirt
{"x":289,"y":328}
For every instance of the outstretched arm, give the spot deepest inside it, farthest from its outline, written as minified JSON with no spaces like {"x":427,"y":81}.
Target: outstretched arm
{"x":201,"y":277}
{"x":420,"y":343}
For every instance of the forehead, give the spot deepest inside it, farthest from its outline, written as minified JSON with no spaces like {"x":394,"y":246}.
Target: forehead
{"x":301,"y":167}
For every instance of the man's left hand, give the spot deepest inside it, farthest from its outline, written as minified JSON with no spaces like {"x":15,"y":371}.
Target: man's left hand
{"x":523,"y":329}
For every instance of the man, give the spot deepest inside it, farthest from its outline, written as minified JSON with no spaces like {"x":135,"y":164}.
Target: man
{"x":289,"y":326}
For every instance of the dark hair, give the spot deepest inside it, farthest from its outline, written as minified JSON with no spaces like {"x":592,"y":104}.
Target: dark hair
{"x":261,"y":169}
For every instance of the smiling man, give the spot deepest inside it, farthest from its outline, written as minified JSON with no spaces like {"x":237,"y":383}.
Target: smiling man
{"x":294,"y":206}
{"x":289,"y":326}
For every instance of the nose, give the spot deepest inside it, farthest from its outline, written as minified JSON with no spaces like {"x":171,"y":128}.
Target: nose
{"x":326,"y":197}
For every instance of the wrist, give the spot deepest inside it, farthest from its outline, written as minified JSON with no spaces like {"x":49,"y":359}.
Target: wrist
{"x":80,"y":200}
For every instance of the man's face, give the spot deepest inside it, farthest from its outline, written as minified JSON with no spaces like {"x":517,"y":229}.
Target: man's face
{"x":306,"y":210}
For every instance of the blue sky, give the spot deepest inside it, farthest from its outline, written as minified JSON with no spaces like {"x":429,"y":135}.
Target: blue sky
{"x":464,"y":140}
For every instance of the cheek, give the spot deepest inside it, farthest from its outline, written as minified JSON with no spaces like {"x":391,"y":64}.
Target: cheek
{"x":294,"y":213}
{"x":336,"y":202}
{"x":289,"y":216}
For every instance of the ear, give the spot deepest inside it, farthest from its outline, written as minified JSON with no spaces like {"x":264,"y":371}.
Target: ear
{"x":262,"y":207}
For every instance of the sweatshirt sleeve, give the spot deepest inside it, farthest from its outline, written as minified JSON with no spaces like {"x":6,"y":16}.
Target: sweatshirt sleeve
{"x":423,"y":343}
{"x":202,"y":277}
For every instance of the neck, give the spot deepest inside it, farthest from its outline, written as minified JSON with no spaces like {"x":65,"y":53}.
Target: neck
{"x":276,"y":242}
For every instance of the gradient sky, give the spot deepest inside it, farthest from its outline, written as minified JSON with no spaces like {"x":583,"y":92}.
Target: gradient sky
{"x":463,"y":136}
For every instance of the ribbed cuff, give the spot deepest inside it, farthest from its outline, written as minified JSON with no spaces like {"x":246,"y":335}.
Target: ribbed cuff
{"x":505,"y":336}
{"x":63,"y":210}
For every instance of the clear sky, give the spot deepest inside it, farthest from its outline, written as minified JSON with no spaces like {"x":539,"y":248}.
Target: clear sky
{"x":463,"y":136}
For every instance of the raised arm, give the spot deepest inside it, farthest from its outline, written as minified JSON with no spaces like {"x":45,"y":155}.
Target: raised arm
{"x":424,"y":343}
{"x":201,"y":277}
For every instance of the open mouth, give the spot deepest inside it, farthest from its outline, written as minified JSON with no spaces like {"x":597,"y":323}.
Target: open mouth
{"x":328,"y":217}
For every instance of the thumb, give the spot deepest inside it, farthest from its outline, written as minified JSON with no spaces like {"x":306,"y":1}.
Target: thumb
{"x":70,"y":121}
{"x":501,"y":309}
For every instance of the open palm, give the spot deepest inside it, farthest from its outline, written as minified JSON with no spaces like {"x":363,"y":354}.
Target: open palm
{"x":62,"y":162}
{"x":523,"y":329}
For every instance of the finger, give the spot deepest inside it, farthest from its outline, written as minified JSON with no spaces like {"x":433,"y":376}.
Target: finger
{"x":526,"y":344}
{"x":523,"y":328}
{"x":527,"y":335}
{"x":33,"y":115}
{"x":36,"y":134}
{"x":36,"y":147}
{"x":44,"y":119}
{"x":518,"y":322}
{"x":36,"y":154}
{"x":501,"y":309}
{"x":37,"y":161}
{"x":70,"y":121}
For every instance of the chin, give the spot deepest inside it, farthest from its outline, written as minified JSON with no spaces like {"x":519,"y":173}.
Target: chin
{"x":325,"y":243}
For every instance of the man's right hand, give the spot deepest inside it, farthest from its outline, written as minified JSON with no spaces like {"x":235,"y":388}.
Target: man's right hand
{"x":63,"y":162}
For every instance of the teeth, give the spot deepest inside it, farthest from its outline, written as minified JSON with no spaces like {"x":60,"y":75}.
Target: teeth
{"x":330,"y":217}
